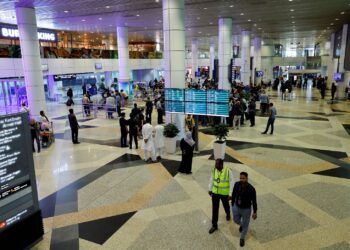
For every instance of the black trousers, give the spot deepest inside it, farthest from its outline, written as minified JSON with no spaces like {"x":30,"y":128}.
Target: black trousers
{"x":215,"y":198}
{"x":133,"y":136}
{"x":271,"y":122}
{"x":160,"y":116}
{"x":123,"y":138}
{"x":119,"y":111}
{"x":252,"y":118}
{"x":149,"y":116}
{"x":36,"y":138}
{"x":74,"y":135}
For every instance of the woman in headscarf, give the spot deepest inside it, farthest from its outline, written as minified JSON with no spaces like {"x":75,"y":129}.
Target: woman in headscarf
{"x":187,"y":147}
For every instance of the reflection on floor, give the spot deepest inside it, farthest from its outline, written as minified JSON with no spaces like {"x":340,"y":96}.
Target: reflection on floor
{"x":97,"y":195}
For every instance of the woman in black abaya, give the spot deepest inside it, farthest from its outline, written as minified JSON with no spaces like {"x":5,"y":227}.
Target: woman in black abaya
{"x":187,"y":147}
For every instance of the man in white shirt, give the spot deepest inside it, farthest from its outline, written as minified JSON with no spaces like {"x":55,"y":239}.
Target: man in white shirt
{"x":110,"y":105}
{"x":148,"y":143}
{"x":220,"y":188}
{"x":159,"y":141}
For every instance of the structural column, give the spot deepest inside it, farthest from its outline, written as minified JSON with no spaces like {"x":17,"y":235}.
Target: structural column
{"x":194,"y":51}
{"x":33,"y":76}
{"x":123,"y":59}
{"x":245,"y":57}
{"x":174,"y":52}
{"x":224,"y":51}
{"x":342,"y":85}
{"x":212,"y":57}
{"x":330,"y":65}
{"x":257,"y":59}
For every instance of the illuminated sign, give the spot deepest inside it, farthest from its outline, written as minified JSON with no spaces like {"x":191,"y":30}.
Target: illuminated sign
{"x":43,"y":35}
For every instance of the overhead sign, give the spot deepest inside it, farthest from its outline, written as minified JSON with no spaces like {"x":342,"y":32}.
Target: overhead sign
{"x":18,"y":193}
{"x":12,"y":33}
{"x":63,"y":77}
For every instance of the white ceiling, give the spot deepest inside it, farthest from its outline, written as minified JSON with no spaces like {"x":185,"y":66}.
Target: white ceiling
{"x":314,"y":20}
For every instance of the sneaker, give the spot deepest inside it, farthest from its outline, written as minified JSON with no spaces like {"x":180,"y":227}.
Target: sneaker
{"x":212,"y":230}
{"x":241,"y":242}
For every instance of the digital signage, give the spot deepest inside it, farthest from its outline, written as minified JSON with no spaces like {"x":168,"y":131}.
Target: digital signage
{"x":174,"y":100}
{"x":218,"y":102}
{"x":195,"y":101}
{"x":13,"y":33}
{"x":19,"y":206}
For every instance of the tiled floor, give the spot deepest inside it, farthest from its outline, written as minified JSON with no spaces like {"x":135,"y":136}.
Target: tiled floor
{"x":97,"y":195}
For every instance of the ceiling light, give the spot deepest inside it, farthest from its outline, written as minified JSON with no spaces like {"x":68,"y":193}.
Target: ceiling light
{"x":83,"y":20}
{"x":137,"y":14}
{"x":66,"y":11}
{"x":100,"y":18}
{"x":159,"y":21}
{"x":249,"y":20}
{"x":231,"y":6}
{"x":107,"y":7}
{"x":255,"y":24}
{"x":205,"y":8}
{"x":242,"y":14}
{"x":125,"y":23}
{"x":259,"y":28}
{"x":290,"y":0}
{"x":211,"y":23}
{"x":337,"y":19}
{"x":198,"y":18}
{"x":199,"y":32}
{"x":110,"y":25}
{"x":293,"y":22}
{"x":291,"y":10}
{"x":189,"y":28}
{"x":157,"y":1}
{"x":342,"y":13}
{"x":292,"y":16}
{"x":332,"y":23}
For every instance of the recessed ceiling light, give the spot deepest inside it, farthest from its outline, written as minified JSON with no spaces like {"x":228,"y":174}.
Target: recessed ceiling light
{"x":291,"y":10}
{"x":107,"y":7}
{"x":337,"y":19}
{"x":100,"y":18}
{"x":292,"y":16}
{"x":205,"y":8}
{"x":327,"y":28}
{"x":189,"y":28}
{"x":249,"y":20}
{"x":199,"y":32}
{"x":66,"y":11}
{"x":255,"y":24}
{"x":157,"y":1}
{"x":293,"y":22}
{"x":259,"y":28}
{"x":137,"y":14}
{"x":242,"y":14}
{"x":231,"y":6}
{"x":198,"y":18}
{"x":332,"y":23}
{"x":83,"y":20}
{"x":342,"y":13}
{"x":211,"y":23}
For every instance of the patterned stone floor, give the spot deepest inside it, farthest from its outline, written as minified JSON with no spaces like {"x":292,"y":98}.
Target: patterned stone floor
{"x":97,"y":195}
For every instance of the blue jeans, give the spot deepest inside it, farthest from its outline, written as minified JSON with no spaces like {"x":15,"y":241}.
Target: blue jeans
{"x":271,"y":122}
{"x":241,"y":216}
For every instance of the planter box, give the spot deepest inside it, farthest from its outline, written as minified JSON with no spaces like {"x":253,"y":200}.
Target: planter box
{"x":170,"y":145}
{"x":219,"y":149}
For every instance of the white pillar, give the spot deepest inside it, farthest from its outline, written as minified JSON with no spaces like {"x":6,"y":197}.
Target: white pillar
{"x":174,"y":52}
{"x":123,"y":59}
{"x":224,"y":51}
{"x":194,"y":51}
{"x":33,"y":76}
{"x":257,"y":58}
{"x":245,"y":57}
{"x":342,"y":85}
{"x":330,"y":65}
{"x":212,"y":57}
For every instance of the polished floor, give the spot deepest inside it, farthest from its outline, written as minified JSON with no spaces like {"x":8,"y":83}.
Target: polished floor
{"x":96,"y":195}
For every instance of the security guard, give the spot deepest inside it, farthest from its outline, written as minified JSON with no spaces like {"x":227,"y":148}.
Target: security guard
{"x":220,"y":188}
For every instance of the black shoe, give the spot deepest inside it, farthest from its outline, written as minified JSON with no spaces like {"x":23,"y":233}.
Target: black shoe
{"x":271,"y":133}
{"x":240,"y":229}
{"x":263,"y":133}
{"x":228,"y":217}
{"x":241,"y":242}
{"x":130,"y":147}
{"x":212,"y":230}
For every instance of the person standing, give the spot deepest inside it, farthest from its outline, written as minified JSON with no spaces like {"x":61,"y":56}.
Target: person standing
{"x":110,"y":105}
{"x":133,"y":130}
{"x":323,"y":89}
{"x":243,"y":198}
{"x":271,"y":120}
{"x":34,"y":131}
{"x":187,"y":147}
{"x":123,"y":130}
{"x":148,"y":143}
{"x":251,"y":112}
{"x":333,"y":90}
{"x":149,"y":109}
{"x":160,"y":111}
{"x":74,"y":126}
{"x":159,"y":140}
{"x":220,"y":188}
{"x":118,"y":103}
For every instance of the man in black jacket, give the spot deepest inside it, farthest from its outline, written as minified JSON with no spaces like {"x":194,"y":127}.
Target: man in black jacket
{"x":74,"y":126}
{"x":243,"y":198}
{"x":123,"y":130}
{"x":149,"y":109}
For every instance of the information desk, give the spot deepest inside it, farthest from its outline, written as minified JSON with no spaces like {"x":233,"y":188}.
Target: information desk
{"x":20,"y":215}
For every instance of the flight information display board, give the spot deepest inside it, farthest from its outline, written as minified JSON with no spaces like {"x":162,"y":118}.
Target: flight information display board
{"x":195,"y":102}
{"x":218,"y":102}
{"x":18,"y":192}
{"x":174,"y":100}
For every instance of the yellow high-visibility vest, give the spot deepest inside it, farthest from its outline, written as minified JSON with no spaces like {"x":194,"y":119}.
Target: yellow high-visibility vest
{"x":221,"y":183}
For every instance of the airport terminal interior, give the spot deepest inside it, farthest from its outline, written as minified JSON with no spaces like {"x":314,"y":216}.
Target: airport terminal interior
{"x":204,"y":67}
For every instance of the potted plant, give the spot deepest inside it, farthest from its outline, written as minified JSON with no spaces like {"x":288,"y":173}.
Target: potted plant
{"x":170,"y":133}
{"x":219,"y":145}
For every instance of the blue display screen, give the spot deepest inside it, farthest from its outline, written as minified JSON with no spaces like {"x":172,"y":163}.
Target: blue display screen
{"x":218,"y":109}
{"x":174,"y":100}
{"x":217,"y":96}
{"x":174,"y":94}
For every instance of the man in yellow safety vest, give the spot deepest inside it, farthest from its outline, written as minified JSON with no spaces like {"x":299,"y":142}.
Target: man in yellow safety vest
{"x":220,"y":188}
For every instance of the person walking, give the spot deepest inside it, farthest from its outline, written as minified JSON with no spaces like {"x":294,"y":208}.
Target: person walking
{"x":271,"y":120}
{"x":333,"y":90}
{"x":34,"y":131}
{"x":74,"y":126}
{"x":251,"y":112}
{"x":159,"y":141}
{"x":123,"y":130}
{"x":149,"y":110}
{"x":133,"y":130}
{"x":160,"y":111}
{"x":220,"y":188}
{"x":243,"y":198}
{"x":148,"y":143}
{"x":187,"y":147}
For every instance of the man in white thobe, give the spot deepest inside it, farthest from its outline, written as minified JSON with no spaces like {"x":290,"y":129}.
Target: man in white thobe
{"x":148,"y":143}
{"x":159,"y":141}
